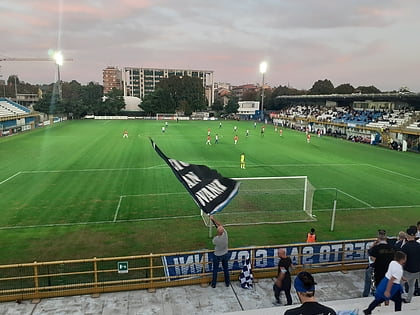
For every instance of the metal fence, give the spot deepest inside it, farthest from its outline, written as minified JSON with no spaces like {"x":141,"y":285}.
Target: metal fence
{"x":99,"y":275}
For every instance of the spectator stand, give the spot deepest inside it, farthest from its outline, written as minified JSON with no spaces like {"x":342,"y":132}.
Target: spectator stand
{"x":398,"y":128}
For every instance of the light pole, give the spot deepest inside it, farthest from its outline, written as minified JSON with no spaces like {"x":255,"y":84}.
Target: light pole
{"x":15,"y":88}
{"x":58,"y":57}
{"x":263,"y":69}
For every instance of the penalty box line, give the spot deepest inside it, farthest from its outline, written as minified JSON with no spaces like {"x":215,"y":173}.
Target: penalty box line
{"x":117,"y":210}
{"x":9,"y":178}
{"x":347,"y":194}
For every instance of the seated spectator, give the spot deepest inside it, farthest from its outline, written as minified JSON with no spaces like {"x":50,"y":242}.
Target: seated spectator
{"x":305,"y":288}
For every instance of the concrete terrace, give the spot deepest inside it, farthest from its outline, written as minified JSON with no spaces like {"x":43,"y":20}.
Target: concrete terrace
{"x":341,"y":291}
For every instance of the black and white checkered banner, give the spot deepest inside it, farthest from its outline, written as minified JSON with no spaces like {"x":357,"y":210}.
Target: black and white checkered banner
{"x":210,"y":190}
{"x":246,"y":277}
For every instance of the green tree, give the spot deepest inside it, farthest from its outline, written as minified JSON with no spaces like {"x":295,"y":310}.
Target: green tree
{"x":345,"y":88}
{"x":322,"y":87}
{"x":92,"y":97}
{"x":232,"y":105}
{"x":160,"y":101}
{"x":184,"y":94}
{"x":217,"y":104}
{"x":50,"y":104}
{"x":252,"y":95}
{"x":367,"y":89}
{"x":72,"y":101}
{"x":112,"y":104}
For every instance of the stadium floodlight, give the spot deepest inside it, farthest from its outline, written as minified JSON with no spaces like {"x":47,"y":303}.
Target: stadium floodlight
{"x":263,"y":70}
{"x":58,"y":58}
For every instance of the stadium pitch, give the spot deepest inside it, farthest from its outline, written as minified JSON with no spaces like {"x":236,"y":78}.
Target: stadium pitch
{"x":79,"y":189}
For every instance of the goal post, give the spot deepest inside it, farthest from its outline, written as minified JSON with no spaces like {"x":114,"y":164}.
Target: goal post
{"x":167,"y":116}
{"x":269,"y":200}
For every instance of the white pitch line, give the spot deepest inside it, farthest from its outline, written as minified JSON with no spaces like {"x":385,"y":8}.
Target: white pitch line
{"x":95,"y":170}
{"x":93,"y":222}
{"x":7,"y":179}
{"x":196,"y":162}
{"x":118,"y":209}
{"x":393,"y":172}
{"x":158,"y":194}
{"x":370,"y":208}
{"x":364,"y":202}
{"x":51,"y":225}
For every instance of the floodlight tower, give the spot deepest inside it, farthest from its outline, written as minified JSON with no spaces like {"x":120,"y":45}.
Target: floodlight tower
{"x":58,"y":58}
{"x":263,"y":69}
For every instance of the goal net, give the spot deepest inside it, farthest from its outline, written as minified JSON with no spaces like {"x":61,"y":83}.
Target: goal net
{"x":269,"y":200}
{"x":163,"y":116}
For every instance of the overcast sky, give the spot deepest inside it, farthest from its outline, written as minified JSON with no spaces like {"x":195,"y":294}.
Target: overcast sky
{"x":361,"y":42}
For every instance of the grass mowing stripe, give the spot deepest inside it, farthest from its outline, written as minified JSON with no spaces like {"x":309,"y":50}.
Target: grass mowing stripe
{"x":110,"y":167}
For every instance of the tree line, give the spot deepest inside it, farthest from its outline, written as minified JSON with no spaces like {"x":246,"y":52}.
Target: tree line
{"x":174,"y":94}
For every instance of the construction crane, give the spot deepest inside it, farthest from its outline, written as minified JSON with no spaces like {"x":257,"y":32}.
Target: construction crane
{"x":33,"y":59}
{"x":57,"y":57}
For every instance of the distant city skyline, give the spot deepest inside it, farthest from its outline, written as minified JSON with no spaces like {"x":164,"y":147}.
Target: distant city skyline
{"x":360,"y":42}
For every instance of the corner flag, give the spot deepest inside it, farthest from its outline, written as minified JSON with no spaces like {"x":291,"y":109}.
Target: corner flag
{"x":210,"y":190}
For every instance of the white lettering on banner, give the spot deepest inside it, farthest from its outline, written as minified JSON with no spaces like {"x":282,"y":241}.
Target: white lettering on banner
{"x":231,"y":260}
{"x":324,"y":253}
{"x":210,"y":192}
{"x":348,"y":251}
{"x":336,"y":249}
{"x":261,"y":258}
{"x":302,"y":254}
{"x":178,"y":165}
{"x":176,"y":267}
{"x":294,"y":256}
{"x":359,"y":251}
{"x":276,"y":256}
{"x":190,"y":265}
{"x":307,"y":253}
{"x":191,"y":179}
{"x":242,"y":256}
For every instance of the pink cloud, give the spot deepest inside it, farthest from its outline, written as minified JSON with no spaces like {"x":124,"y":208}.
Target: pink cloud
{"x":376,"y":12}
{"x":110,"y":9}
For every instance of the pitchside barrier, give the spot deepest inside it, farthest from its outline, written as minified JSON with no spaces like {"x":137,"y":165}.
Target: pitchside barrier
{"x":99,"y":275}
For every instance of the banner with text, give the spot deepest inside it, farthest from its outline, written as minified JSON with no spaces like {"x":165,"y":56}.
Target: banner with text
{"x":193,"y":264}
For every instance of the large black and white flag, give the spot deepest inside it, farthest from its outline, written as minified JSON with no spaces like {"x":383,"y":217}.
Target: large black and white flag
{"x":210,"y":190}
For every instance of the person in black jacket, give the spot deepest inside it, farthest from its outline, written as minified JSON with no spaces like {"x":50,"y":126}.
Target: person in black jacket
{"x":283,"y":281}
{"x":382,"y":254}
{"x":412,"y":265}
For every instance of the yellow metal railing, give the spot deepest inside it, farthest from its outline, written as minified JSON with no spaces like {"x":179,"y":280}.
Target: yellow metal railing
{"x":99,"y":275}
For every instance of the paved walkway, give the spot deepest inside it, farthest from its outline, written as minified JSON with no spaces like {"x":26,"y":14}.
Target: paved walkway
{"x":341,"y":291}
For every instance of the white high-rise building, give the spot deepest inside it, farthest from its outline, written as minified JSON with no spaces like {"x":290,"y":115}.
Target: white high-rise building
{"x":140,"y":82}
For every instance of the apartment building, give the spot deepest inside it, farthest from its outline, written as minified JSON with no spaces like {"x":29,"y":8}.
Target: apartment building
{"x":140,"y":82}
{"x":111,"y":77}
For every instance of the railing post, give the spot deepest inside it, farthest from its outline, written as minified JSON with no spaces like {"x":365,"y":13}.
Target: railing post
{"x":252,"y":262}
{"x":151,"y":288}
{"x":343,"y":249}
{"x":95,"y":293}
{"x":204,"y":283}
{"x":36,"y":298}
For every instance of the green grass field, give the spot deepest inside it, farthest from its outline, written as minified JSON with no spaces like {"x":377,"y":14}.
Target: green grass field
{"x":79,"y":190}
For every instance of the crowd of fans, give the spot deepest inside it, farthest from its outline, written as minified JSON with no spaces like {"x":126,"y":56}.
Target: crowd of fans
{"x":393,"y":264}
{"x":348,"y":114}
{"x":318,"y":119}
